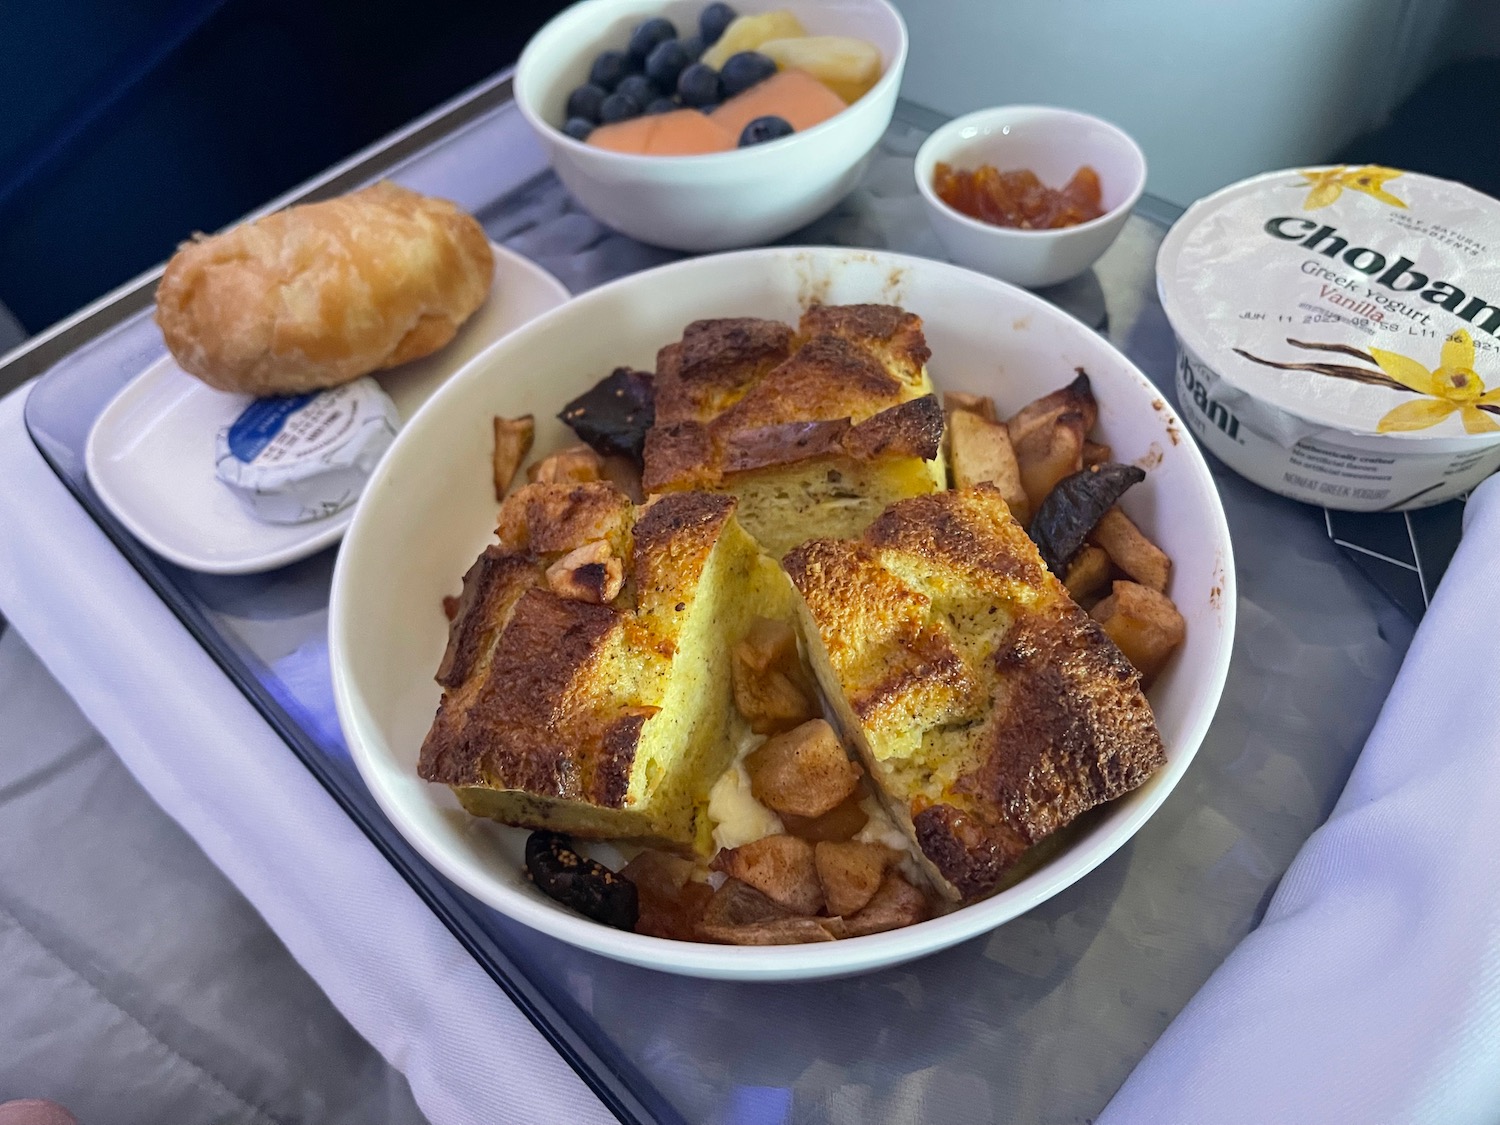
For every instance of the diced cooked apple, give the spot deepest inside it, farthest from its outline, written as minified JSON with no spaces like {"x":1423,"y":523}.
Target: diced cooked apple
{"x":1096,"y":453}
{"x":803,"y":772}
{"x":738,"y":914}
{"x":981,"y":451}
{"x":1048,"y":453}
{"x":843,"y":822}
{"x":895,"y":904}
{"x":771,"y":690}
{"x":850,"y":873}
{"x":1088,"y":574}
{"x":1076,"y":398}
{"x":1143,"y":623}
{"x":983,"y":405}
{"x":513,"y":438}
{"x":780,"y":867}
{"x":1131,"y":551}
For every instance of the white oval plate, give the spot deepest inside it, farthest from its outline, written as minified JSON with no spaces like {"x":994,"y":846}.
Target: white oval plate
{"x":430,"y":509}
{"x":150,"y":454}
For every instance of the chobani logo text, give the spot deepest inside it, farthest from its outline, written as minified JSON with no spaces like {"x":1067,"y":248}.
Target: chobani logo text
{"x":1397,"y":276}
{"x":1215,"y":412}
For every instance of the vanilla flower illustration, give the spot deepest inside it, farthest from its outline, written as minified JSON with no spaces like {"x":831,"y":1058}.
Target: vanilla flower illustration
{"x":1329,"y":183}
{"x":1454,"y":386}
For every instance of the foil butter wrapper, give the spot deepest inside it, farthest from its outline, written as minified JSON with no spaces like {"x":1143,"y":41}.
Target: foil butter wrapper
{"x":298,"y":458}
{"x":1338,"y":333}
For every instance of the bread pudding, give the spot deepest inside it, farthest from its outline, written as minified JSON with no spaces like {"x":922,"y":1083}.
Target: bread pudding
{"x":631,"y":671}
{"x":989,"y":709}
{"x":586,"y":680}
{"x":814,"y":430}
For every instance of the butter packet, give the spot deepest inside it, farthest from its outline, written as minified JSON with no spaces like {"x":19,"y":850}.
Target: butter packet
{"x":296,"y":458}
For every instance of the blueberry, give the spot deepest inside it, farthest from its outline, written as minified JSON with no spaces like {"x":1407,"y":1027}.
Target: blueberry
{"x":608,"y":69}
{"x":578,"y":128}
{"x":646,"y":36}
{"x":585,"y":101}
{"x":699,"y":85}
{"x":638,"y":88}
{"x":693,"y":45}
{"x":764,"y":129}
{"x":744,"y":70}
{"x":667,"y":62}
{"x":661,"y":105}
{"x":713,"y":20}
{"x":619,"y":107}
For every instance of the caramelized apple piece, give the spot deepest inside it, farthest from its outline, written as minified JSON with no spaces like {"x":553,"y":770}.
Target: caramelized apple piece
{"x":770,"y":686}
{"x":983,"y":405}
{"x":1096,"y":453}
{"x":1088,"y":574}
{"x":850,"y":873}
{"x":841,"y":823}
{"x":1143,"y":623}
{"x":779,"y":867}
{"x":895,"y":904}
{"x":671,"y":901}
{"x":513,"y":437}
{"x":981,"y":451}
{"x":1076,"y":398}
{"x":1131,"y":551}
{"x":803,"y":772}
{"x":738,"y":914}
{"x":1046,"y":455}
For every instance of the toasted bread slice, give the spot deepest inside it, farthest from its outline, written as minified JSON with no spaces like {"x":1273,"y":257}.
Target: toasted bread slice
{"x":815,"y":431}
{"x":990,"y":710}
{"x":598,"y":702}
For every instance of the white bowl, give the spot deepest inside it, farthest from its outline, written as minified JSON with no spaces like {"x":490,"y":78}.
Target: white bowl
{"x":430,"y":509}
{"x":719,"y":200}
{"x":1053,"y":143}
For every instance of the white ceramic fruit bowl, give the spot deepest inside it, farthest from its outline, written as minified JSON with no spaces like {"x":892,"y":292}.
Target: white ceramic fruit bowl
{"x":725,"y":199}
{"x":430,"y":509}
{"x":1053,"y":143}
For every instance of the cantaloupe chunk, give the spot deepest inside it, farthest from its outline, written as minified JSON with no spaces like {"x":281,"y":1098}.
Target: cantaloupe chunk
{"x":847,"y":66}
{"x":747,"y":33}
{"x":794,"y":95}
{"x":683,"y":132}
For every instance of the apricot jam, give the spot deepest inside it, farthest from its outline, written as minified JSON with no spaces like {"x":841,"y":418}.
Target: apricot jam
{"x":1019,"y":199}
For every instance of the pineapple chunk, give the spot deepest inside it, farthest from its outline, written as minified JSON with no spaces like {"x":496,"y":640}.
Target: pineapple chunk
{"x":848,"y":67}
{"x":747,"y":33}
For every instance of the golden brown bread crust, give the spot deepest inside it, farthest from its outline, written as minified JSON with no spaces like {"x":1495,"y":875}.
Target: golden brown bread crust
{"x":738,"y":395}
{"x":530,"y":702}
{"x":943,"y":621}
{"x":322,"y":293}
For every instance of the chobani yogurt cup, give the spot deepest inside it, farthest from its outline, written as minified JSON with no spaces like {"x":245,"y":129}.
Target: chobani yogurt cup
{"x":1338,"y":333}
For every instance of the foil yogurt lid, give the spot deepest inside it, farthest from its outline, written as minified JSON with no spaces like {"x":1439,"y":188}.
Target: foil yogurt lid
{"x":1362,"y":299}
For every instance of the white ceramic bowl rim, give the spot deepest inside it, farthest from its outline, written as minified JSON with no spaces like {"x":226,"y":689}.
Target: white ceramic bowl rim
{"x":849,"y":955}
{"x":925,"y":163}
{"x":891,"y":74}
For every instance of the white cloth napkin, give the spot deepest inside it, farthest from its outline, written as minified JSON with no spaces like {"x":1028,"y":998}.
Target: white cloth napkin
{"x":1370,"y":993}
{"x":208,"y":758}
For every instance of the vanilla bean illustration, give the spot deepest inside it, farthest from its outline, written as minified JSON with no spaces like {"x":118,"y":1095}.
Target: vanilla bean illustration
{"x":1345,"y":349}
{"x":1337,"y":370}
{"x":1341,"y":371}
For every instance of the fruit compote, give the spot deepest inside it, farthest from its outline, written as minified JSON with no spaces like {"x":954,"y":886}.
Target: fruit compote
{"x":1019,"y":199}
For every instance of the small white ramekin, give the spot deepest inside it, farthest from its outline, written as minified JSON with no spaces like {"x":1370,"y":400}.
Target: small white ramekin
{"x":1053,"y":143}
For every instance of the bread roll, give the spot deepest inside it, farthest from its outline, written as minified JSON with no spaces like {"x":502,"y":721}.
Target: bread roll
{"x":318,"y":295}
